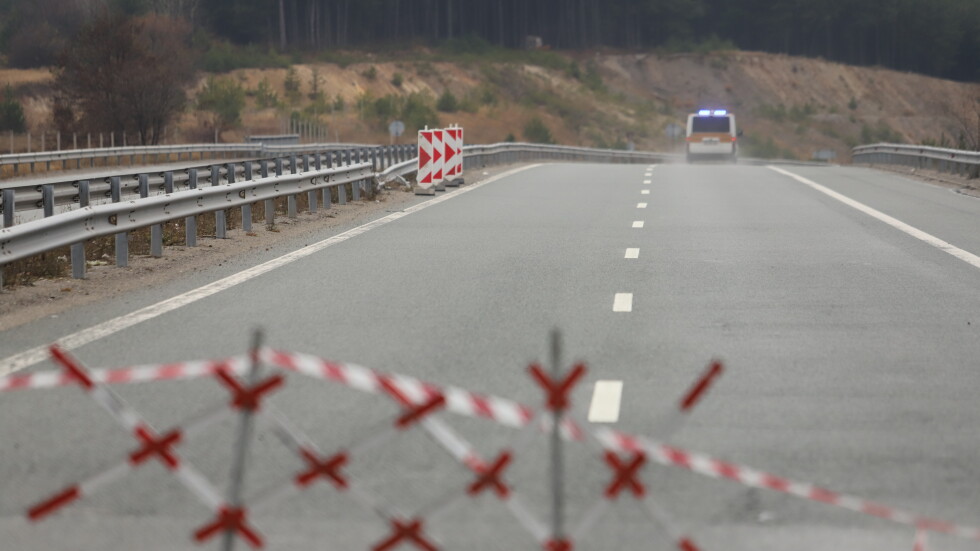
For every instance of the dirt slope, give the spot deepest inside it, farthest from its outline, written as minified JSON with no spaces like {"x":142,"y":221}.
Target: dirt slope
{"x":787,"y":106}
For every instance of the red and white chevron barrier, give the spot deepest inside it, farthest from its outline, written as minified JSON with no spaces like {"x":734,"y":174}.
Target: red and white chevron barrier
{"x":440,"y":160}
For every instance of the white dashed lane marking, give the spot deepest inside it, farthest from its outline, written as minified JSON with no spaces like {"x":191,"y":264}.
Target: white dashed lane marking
{"x":641,"y":205}
{"x":632,"y":253}
{"x":623,"y":302}
{"x":638,"y":223}
{"x":644,"y":192}
{"x":606,"y":398}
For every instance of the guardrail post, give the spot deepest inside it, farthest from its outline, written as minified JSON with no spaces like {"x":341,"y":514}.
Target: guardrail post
{"x":78,"y":249}
{"x":247,"y":209}
{"x":156,"y":230}
{"x":310,"y":195}
{"x":190,"y":223}
{"x":47,"y":199}
{"x":122,"y":239}
{"x":8,"y":207}
{"x":291,"y":199}
{"x":220,"y":223}
{"x":270,"y":205}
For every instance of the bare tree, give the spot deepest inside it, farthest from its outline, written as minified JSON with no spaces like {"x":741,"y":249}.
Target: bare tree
{"x":121,"y":74}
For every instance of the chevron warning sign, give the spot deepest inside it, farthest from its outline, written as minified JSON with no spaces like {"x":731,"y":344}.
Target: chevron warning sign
{"x":438,"y":157}
{"x":425,"y":165}
{"x":454,"y":153}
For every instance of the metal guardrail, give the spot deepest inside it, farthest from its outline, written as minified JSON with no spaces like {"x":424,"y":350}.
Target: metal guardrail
{"x":953,"y":161}
{"x":38,"y":236}
{"x":60,"y":190}
{"x":16,"y":160}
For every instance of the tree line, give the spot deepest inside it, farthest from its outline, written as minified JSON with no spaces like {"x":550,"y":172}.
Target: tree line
{"x":935,"y":37}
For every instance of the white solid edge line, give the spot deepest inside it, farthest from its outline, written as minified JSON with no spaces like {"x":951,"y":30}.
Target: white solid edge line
{"x":606,"y":399}
{"x":641,"y":205}
{"x":623,"y":302}
{"x":965,"y":256}
{"x":632,"y":253}
{"x":638,"y":223}
{"x":35,"y":355}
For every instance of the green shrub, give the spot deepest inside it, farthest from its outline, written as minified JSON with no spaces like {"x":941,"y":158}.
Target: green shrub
{"x":592,"y":79}
{"x":223,"y":99}
{"x":265,"y":96}
{"x":536,"y":131}
{"x":397,"y":79}
{"x":417,"y":112}
{"x":447,"y":102}
{"x":292,"y":86}
{"x":222,"y":57}
{"x":371,"y":73}
{"x":337,"y":58}
{"x":11,"y":112}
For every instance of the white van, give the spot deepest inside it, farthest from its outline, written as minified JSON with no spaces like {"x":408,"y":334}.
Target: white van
{"x":711,"y":134}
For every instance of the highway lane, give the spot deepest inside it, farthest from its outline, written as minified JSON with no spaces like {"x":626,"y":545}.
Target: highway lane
{"x":851,"y":351}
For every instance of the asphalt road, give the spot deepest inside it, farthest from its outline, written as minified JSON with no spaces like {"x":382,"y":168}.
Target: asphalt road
{"x":851,"y":350}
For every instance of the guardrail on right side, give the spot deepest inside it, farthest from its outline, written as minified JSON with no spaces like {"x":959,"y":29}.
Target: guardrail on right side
{"x":953,"y":161}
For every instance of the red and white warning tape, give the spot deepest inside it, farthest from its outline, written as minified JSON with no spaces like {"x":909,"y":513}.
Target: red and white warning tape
{"x":135,"y":374}
{"x":715,"y":468}
{"x":420,"y":398}
{"x":463,"y":402}
{"x":514,"y":414}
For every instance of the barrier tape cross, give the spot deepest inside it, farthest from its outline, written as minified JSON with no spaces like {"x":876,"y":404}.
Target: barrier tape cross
{"x":625,"y":475}
{"x":230,"y":519}
{"x":557,"y":391}
{"x":329,"y":468}
{"x":159,"y":446}
{"x":489,"y":476}
{"x":410,"y":531}
{"x":248,"y":398}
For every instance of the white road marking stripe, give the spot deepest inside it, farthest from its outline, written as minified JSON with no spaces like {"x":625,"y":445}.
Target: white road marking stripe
{"x":641,"y":205}
{"x":638,"y":224}
{"x":965,"y":256}
{"x":632,"y":253}
{"x":644,"y":192}
{"x":647,"y":182}
{"x":606,"y":398}
{"x":38,"y":354}
{"x":623,"y":302}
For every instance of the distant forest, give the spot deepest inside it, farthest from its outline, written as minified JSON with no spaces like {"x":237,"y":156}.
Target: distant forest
{"x":935,"y":37}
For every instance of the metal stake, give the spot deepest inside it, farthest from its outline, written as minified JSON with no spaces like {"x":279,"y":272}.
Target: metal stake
{"x":241,"y":446}
{"x":557,"y":467}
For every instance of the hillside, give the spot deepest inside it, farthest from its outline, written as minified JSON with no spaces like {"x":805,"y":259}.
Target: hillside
{"x":787,"y":106}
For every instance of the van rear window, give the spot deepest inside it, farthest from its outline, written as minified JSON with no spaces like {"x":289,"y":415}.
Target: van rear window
{"x":710,"y":124}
